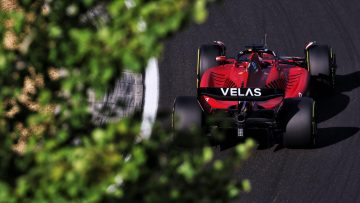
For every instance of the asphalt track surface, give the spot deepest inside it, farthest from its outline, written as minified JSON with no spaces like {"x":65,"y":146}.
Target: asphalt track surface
{"x":329,"y":172}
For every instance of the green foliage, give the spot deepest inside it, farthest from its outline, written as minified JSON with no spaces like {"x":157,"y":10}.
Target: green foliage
{"x":52,"y":55}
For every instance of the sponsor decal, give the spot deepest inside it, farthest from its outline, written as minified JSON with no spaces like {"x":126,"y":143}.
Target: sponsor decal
{"x":241,"y":92}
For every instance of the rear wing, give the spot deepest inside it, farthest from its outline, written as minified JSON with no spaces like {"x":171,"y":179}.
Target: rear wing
{"x":241,"y":94}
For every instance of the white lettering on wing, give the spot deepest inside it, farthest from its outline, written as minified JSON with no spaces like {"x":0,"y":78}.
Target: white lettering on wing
{"x":224,"y":91}
{"x":257,"y":92}
{"x":233,"y":91}
{"x":238,"y":92}
{"x":248,"y":92}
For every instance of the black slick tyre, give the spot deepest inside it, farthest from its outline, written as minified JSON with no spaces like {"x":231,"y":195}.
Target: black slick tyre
{"x":187,"y":121}
{"x":299,"y":120}
{"x":321,"y":64}
{"x":207,"y":58}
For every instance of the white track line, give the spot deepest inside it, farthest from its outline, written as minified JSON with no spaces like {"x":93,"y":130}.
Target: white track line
{"x":151,"y":100}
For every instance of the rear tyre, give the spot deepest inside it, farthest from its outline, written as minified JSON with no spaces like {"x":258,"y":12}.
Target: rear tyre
{"x":207,"y":58}
{"x":298,"y":116}
{"x":187,"y":121}
{"x":321,"y":63}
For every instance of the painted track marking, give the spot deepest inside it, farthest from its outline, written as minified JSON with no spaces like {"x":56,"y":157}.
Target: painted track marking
{"x":151,"y":100}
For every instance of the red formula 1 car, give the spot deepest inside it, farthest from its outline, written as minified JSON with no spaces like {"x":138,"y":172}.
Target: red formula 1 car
{"x":256,"y":90}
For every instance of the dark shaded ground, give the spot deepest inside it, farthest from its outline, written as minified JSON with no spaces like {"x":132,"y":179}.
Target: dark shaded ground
{"x":326,"y":173}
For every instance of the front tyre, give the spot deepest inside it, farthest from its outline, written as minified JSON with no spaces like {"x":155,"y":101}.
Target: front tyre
{"x":207,"y":58}
{"x":321,"y":63}
{"x":299,"y":119}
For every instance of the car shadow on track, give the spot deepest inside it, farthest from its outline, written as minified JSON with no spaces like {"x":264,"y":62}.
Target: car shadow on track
{"x":330,"y":104}
{"x":330,"y":136}
{"x":346,"y":83}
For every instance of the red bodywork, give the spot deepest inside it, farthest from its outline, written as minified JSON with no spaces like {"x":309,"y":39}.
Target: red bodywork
{"x":255,"y":70}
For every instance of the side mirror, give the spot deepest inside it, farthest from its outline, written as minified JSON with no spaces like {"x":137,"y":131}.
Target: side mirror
{"x":221,"y":58}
